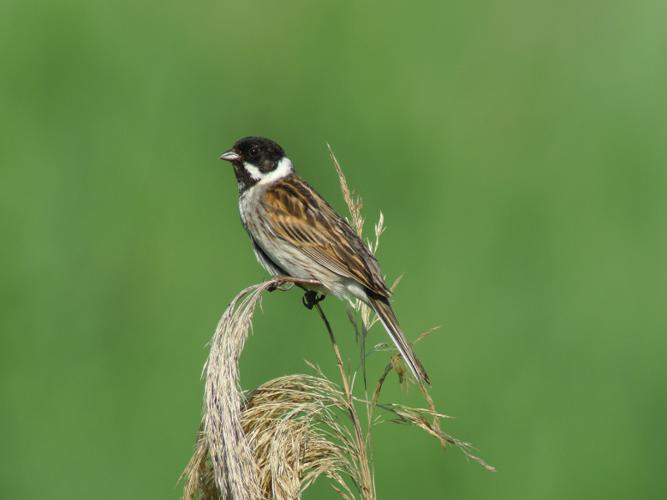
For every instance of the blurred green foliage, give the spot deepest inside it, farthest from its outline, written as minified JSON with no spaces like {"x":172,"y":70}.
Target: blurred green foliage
{"x":518,"y":150}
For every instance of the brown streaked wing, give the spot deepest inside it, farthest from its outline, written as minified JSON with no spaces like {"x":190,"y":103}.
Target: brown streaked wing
{"x":299,"y":215}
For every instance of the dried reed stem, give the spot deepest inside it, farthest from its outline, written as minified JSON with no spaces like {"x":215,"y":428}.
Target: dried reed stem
{"x":368,"y":483}
{"x":234,"y":467}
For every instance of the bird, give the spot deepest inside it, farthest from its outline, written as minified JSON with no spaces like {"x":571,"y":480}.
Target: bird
{"x":296,"y":233}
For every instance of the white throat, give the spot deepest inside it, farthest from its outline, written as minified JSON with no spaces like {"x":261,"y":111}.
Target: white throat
{"x":283,"y":169}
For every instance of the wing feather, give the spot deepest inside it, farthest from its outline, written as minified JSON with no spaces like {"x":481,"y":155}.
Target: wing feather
{"x":297,"y":214}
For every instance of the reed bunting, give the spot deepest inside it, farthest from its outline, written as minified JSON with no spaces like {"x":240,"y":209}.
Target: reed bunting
{"x":296,"y":233}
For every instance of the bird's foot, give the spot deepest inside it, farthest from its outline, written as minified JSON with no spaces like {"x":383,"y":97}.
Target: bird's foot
{"x":311,"y":299}
{"x":278,"y":284}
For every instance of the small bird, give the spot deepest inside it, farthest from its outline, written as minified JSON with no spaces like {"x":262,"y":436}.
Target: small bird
{"x":296,"y":233}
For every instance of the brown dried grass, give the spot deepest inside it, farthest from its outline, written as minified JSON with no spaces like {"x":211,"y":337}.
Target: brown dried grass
{"x":275,"y":441}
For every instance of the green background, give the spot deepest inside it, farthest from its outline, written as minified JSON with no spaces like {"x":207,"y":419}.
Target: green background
{"x":517,"y":149}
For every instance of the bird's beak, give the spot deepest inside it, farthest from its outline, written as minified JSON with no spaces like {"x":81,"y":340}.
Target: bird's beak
{"x":230,"y":155}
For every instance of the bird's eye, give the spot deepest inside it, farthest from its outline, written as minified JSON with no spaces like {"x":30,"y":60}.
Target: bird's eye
{"x":254,"y":151}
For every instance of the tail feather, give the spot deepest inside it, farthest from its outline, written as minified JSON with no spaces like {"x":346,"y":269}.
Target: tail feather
{"x":390,"y":323}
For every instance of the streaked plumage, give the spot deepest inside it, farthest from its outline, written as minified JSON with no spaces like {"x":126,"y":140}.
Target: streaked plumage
{"x":295,"y":232}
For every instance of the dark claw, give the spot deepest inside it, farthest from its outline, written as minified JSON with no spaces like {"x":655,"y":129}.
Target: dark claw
{"x":272,"y":288}
{"x":311,"y":299}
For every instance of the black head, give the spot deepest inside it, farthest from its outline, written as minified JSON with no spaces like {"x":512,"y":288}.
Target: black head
{"x":255,"y":159}
{"x":258,"y":151}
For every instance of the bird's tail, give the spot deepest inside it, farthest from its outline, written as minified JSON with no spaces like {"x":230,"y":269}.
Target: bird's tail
{"x":390,"y":323}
